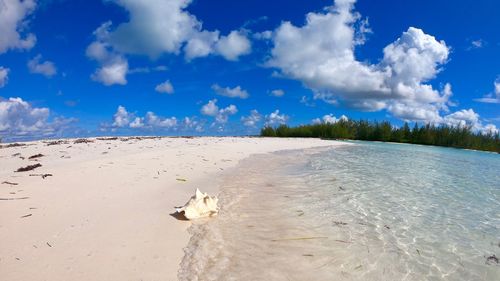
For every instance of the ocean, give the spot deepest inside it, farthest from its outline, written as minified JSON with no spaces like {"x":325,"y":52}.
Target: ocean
{"x":365,"y":211}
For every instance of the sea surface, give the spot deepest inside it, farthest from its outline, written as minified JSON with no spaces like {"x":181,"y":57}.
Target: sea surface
{"x":366,"y":211}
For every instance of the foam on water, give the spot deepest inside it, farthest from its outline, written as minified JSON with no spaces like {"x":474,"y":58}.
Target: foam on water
{"x":366,"y":212}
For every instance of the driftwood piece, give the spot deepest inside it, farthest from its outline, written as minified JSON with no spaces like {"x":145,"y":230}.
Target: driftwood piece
{"x":29,"y":167}
{"x":28,"y":215}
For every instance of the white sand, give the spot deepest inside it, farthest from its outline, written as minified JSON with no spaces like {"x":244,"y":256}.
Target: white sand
{"x":104,"y":214}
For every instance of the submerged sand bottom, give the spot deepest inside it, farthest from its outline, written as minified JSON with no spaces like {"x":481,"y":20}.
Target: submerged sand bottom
{"x":361,"y":212}
{"x":262,"y":232}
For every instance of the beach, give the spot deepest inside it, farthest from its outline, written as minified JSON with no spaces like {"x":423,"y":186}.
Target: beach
{"x":100,"y":208}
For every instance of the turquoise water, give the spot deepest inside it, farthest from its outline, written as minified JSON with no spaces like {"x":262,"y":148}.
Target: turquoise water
{"x":368,"y":211}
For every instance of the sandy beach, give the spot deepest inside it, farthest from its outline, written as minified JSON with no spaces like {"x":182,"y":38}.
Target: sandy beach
{"x":100,"y":210}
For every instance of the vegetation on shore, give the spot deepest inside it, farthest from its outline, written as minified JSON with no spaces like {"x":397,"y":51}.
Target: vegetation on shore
{"x":442,"y":135}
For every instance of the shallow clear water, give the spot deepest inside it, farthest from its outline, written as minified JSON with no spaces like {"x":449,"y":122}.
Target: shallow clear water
{"x":370,"y":211}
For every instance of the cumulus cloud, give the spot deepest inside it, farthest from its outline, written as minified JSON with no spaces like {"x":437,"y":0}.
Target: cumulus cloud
{"x":155,"y":121}
{"x":158,"y":27}
{"x":192,"y":123}
{"x":45,"y":68}
{"x":13,"y":25}
{"x":251,"y":120}
{"x":114,"y":67}
{"x":112,"y":73}
{"x":275,"y":118}
{"x":233,"y":46}
{"x":4,"y":76}
{"x":329,"y":119}
{"x":19,"y":119}
{"x":277,"y":93}
{"x":221,"y":115}
{"x":122,"y":117}
{"x":492,"y":97}
{"x":165,"y":87}
{"x":236,"y":92}
{"x":321,"y":55}
{"x":125,"y":119}
{"x":468,"y":118}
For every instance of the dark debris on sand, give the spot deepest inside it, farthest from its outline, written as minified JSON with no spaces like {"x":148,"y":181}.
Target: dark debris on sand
{"x":36,"y":156}
{"x":83,"y":141}
{"x":13,"y":145}
{"x":57,"y":142}
{"x":29,"y":167}
{"x":492,"y":260}
{"x":41,"y":175}
{"x":9,"y":183}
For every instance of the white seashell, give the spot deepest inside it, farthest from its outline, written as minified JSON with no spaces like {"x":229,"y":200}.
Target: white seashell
{"x":199,"y":206}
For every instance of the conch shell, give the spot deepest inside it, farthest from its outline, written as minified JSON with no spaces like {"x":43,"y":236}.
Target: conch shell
{"x":199,"y":206}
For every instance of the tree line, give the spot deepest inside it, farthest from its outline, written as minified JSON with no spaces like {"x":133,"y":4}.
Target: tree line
{"x":428,"y":134}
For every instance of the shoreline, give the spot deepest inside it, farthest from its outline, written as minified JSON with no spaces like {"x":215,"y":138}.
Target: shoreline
{"x":243,"y":193}
{"x":104,"y":212}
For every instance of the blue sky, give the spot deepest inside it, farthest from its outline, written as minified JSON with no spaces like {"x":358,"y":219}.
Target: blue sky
{"x":180,"y":67}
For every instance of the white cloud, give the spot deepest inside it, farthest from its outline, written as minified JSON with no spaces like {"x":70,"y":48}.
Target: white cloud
{"x":490,"y":129}
{"x":157,"y":68}
{"x":224,"y":113}
{"x":277,"y":93}
{"x":165,"y":87}
{"x":468,"y":118}
{"x":114,"y":67}
{"x":137,"y":123}
{"x":264,"y":35}
{"x":13,"y":25}
{"x":124,"y":119}
{"x":329,"y":119}
{"x":476,"y":44}
{"x":275,"y":118}
{"x":251,"y":120}
{"x":307,"y":101}
{"x":236,"y":92}
{"x":4,"y":76}
{"x":492,"y":97}
{"x":192,"y":123}
{"x":233,"y":46}
{"x":157,"y":27}
{"x":210,"y":109}
{"x":201,"y":44}
{"x":112,"y":73}
{"x":321,"y":55}
{"x":19,"y":119}
{"x":221,"y":115}
{"x":155,"y":121}
{"x":46,"y":68}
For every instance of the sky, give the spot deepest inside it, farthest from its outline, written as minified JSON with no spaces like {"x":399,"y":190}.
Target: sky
{"x":76,"y":68}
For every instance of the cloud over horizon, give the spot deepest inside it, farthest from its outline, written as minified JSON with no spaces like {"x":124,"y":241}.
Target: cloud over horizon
{"x":19,"y":120}
{"x":330,"y":69}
